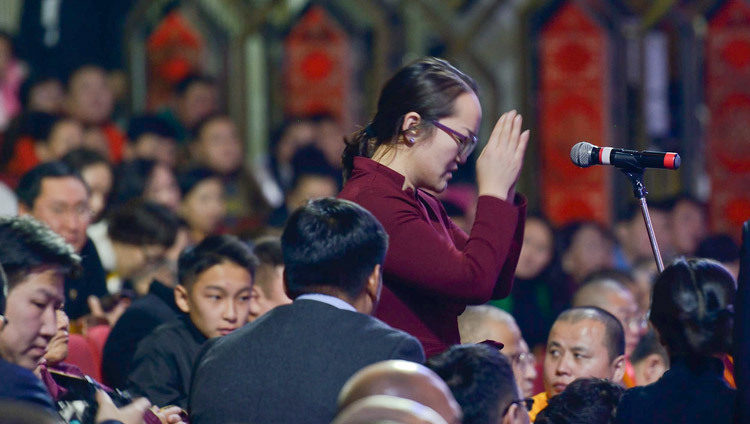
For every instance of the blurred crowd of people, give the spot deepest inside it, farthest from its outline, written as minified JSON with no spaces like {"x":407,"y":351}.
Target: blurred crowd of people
{"x":166,"y":242}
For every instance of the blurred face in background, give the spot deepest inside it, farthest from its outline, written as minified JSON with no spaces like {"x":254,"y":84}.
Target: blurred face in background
{"x":66,"y":135}
{"x":268,"y":291}
{"x":57,"y":349}
{"x":537,"y":249}
{"x":156,"y":147}
{"x":63,"y":204}
{"x":218,"y":146}
{"x":98,"y":177}
{"x":46,"y":96}
{"x":204,"y":208}
{"x":589,"y":251}
{"x":162,"y":188}
{"x":688,"y":224}
{"x":89,"y":98}
{"x":199,"y":101}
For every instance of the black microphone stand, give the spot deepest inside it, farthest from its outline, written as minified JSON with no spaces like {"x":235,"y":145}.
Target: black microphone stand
{"x":635,"y":175}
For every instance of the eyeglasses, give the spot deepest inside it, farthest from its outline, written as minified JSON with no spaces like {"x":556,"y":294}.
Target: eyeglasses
{"x":527,"y":402}
{"x":522,"y":359}
{"x":637,"y":323}
{"x":466,"y":143}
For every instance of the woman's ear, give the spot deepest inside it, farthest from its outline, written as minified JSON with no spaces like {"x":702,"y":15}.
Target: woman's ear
{"x":411,"y":121}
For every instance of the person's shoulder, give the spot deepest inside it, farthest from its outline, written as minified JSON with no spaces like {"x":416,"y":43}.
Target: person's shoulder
{"x":159,"y":338}
{"x":22,"y":385}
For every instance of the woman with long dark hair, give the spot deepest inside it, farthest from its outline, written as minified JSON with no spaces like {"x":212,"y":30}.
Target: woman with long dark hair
{"x":692,"y":311}
{"x":425,"y":127}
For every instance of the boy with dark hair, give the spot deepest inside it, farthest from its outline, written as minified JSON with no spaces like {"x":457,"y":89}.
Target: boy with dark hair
{"x":300,"y":355}
{"x":482,"y":381}
{"x":214,"y":292}
{"x":584,"y":401}
{"x":57,"y":195}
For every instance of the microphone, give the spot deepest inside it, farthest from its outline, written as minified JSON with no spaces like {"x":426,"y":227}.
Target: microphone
{"x":585,"y":154}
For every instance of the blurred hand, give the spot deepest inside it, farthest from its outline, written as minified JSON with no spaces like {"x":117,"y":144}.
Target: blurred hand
{"x":99,"y":315}
{"x":501,"y":160}
{"x":129,"y":414}
{"x":169,"y":414}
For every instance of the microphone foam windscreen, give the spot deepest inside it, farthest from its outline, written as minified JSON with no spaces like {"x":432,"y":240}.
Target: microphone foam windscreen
{"x":580,"y":154}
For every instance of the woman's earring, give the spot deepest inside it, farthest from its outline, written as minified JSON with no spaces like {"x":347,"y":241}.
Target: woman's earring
{"x":411,"y":140}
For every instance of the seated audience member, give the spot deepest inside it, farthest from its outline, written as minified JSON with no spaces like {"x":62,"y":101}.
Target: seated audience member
{"x":688,"y":224}
{"x":147,"y":179}
{"x":584,"y":401}
{"x":585,"y":247}
{"x":214,"y":292}
{"x":633,"y":243}
{"x":388,"y":409}
{"x":203,"y":205}
{"x":268,"y":290}
{"x":482,"y":381}
{"x":606,"y":290}
{"x":90,"y":101}
{"x":141,"y":232}
{"x":723,"y":249}
{"x":56,"y":195}
{"x":480,"y":323}
{"x":40,"y":138}
{"x":293,"y":134}
{"x":540,"y":290}
{"x":333,"y":253}
{"x":402,"y":379}
{"x":35,"y":260}
{"x":42,"y":93}
{"x":97,"y":174}
{"x":692,"y":312}
{"x":138,"y":321}
{"x":196,"y":97}
{"x":151,"y":137}
{"x":307,"y":185}
{"x":650,"y":360}
{"x":217,"y":146}
{"x":63,"y":380}
{"x":584,"y":342}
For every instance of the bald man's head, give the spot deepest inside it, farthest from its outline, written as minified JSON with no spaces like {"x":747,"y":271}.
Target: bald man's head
{"x":611,"y":295}
{"x":382,"y":408}
{"x":402,"y":379}
{"x":480,"y":323}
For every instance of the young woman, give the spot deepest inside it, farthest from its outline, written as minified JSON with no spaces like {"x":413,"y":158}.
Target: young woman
{"x":425,"y":127}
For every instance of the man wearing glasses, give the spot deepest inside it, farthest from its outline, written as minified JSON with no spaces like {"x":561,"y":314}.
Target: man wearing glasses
{"x":56,"y":195}
{"x":480,"y":323}
{"x":482,"y":381}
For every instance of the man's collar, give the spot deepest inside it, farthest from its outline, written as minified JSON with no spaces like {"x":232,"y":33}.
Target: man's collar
{"x":331,"y":300}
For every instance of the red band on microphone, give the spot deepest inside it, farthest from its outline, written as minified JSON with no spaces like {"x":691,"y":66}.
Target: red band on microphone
{"x":669,"y":160}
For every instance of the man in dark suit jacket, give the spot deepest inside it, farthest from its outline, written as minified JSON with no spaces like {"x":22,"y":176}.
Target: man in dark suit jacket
{"x":290,"y":364}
